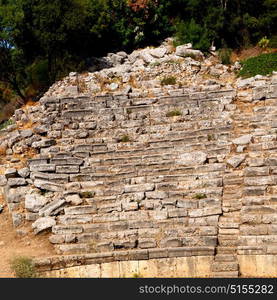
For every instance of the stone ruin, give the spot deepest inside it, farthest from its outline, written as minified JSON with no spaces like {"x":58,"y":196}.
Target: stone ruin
{"x":161,"y":181}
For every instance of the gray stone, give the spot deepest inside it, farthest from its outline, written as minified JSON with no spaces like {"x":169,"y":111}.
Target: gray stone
{"x":192,"y":158}
{"x":156,"y":195}
{"x":67,"y":229}
{"x":13,"y":182}
{"x":207,"y":211}
{"x":147,"y":243}
{"x":43,"y":223}
{"x":146,"y":56}
{"x":34,"y":202}
{"x":74,"y":199}
{"x":24,"y":172}
{"x":50,"y":208}
{"x":243,"y":83}
{"x":139,"y":188}
{"x":47,"y":185}
{"x":183,"y":51}
{"x":236,"y":160}
{"x":44,"y":143}
{"x":10,"y":173}
{"x":79,"y":210}
{"x":243,"y":140}
{"x":17,"y":219}
{"x":26,"y":133}
{"x":57,"y":239}
{"x":158,"y":52}
{"x":3,"y":180}
{"x":43,"y":168}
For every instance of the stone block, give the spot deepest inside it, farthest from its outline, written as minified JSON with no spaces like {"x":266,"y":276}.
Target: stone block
{"x":14,"y":182}
{"x":34,"y":202}
{"x":67,"y":229}
{"x":67,"y":169}
{"x":80,"y":210}
{"x":139,"y":188}
{"x":43,"y":223}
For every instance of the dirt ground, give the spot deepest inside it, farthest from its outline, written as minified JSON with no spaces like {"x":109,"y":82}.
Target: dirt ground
{"x":240,"y":55}
{"x":13,"y":244}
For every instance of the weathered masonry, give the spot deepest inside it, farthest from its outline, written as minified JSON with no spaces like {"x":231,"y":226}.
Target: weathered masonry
{"x":172,"y":185}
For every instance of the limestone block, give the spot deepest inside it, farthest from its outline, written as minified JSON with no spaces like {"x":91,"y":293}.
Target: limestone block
{"x":67,"y":229}
{"x":145,"y":243}
{"x":192,"y":158}
{"x":24,"y":172}
{"x":256,"y":171}
{"x":80,"y":210}
{"x":243,"y":140}
{"x":10,"y":173}
{"x":47,"y":185}
{"x":17,"y":219}
{"x":34,"y":202}
{"x":139,"y":188}
{"x":236,"y":160}
{"x":14,"y":182}
{"x":50,"y":208}
{"x":67,"y":169}
{"x":206,"y":211}
{"x":43,"y":168}
{"x":43,"y":223}
{"x":44,"y":143}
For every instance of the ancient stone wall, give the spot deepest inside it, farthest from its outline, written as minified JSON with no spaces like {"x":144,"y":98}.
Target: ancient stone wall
{"x":156,"y":180}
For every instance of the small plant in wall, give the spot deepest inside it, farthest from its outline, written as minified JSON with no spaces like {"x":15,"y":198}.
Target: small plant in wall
{"x":174,"y":113}
{"x":200,"y":196}
{"x":124,"y":139}
{"x":170,"y":80}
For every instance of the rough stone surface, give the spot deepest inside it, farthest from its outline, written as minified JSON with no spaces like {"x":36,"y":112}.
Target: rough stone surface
{"x":243,"y":140}
{"x":236,"y":160}
{"x":43,"y":224}
{"x":34,"y":202}
{"x":191,"y":159}
{"x":149,"y":170}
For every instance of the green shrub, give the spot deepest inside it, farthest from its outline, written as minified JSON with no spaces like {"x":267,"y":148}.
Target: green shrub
{"x":155,"y":64}
{"x":200,"y":196}
{"x":263,"y":64}
{"x":23,"y":267}
{"x":86,"y":194}
{"x":191,"y":32}
{"x":170,"y":80}
{"x":38,"y":74}
{"x":174,"y":113}
{"x":6,"y":124}
{"x":210,"y":137}
{"x":173,"y":62}
{"x":124,"y":139}
{"x":225,"y":56}
{"x":273,"y":41}
{"x":264,"y":42}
